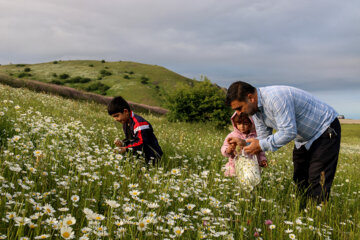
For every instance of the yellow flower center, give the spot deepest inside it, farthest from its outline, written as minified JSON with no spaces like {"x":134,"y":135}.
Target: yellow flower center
{"x":66,"y":234}
{"x":69,"y":222}
{"x":178,"y":232}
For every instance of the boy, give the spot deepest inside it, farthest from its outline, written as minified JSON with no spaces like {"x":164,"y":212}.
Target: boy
{"x":139,"y":135}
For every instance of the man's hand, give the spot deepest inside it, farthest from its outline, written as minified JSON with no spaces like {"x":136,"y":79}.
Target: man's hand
{"x":254,"y":147}
{"x":120,"y":150}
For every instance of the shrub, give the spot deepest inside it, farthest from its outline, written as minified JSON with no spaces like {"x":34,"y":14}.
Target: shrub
{"x":126,"y":76}
{"x":27,"y":69}
{"x":57,"y":82}
{"x":203,"y":102}
{"x":91,"y":65}
{"x":54,"y":75}
{"x":78,"y":79}
{"x":85,"y":80}
{"x":103,"y":61}
{"x":21,"y":75}
{"x":20,"y":65}
{"x":55,"y":62}
{"x":24,"y":74}
{"x":98,"y":88}
{"x":131,"y":72}
{"x":64,"y":76}
{"x":105,"y":73}
{"x":144,"y":80}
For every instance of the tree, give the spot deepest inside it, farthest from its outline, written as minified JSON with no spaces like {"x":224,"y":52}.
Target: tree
{"x":202,"y":102}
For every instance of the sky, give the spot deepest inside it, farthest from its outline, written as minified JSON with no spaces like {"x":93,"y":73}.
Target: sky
{"x":310,"y":44}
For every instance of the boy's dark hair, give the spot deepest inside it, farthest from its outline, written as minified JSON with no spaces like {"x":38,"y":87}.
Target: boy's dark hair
{"x":238,"y":91}
{"x":118,"y":104}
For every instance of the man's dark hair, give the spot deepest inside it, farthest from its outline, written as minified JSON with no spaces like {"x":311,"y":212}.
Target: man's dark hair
{"x":238,"y":91}
{"x":118,"y":104}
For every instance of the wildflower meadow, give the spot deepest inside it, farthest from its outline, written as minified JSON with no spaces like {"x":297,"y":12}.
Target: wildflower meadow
{"x":60,"y":179}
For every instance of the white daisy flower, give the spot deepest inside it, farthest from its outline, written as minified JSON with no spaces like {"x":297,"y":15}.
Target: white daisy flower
{"x":38,"y":153}
{"x":153,"y":205}
{"x":75,"y":198}
{"x":205,"y":211}
{"x":43,"y":236}
{"x":190,"y":206}
{"x":135,"y":193}
{"x":178,"y":231}
{"x":67,"y":232}
{"x":69,"y":220}
{"x":112,"y":203}
{"x":141,"y":225}
{"x":292,"y":236}
{"x":48,"y":209}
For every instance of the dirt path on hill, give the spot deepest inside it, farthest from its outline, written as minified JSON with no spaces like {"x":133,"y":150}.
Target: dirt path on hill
{"x":349,"y":121}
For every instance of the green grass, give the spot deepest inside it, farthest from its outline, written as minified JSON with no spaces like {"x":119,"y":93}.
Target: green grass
{"x":350,"y":133}
{"x":78,"y":170}
{"x":161,"y":80}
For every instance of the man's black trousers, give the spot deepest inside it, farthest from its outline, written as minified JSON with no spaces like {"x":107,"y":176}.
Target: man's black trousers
{"x":314,"y":169}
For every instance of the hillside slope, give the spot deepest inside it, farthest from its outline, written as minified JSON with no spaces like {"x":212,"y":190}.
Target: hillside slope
{"x":137,"y":82}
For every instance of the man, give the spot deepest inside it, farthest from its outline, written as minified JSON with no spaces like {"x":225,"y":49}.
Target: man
{"x":295,"y":115}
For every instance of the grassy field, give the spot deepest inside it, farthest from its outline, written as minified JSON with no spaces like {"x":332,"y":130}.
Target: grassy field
{"x":150,"y":82}
{"x":60,"y":179}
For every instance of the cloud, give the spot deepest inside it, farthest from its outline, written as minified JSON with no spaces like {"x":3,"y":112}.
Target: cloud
{"x":309,"y":44}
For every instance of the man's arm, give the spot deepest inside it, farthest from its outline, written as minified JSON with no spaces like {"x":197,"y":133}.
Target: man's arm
{"x":284,"y":115}
{"x":262,"y":131}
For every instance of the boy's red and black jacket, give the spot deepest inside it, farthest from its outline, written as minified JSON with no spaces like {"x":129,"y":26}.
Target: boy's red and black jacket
{"x":140,"y":137}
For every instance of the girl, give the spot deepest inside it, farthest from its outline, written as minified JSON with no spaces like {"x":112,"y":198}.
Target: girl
{"x":243,"y":128}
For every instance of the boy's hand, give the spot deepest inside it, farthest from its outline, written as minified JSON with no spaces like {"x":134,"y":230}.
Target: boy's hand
{"x":118,"y":143}
{"x":254,"y":147}
{"x":120,"y":150}
{"x":263,"y":164}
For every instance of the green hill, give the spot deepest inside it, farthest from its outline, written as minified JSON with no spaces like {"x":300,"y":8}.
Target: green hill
{"x":137,"y":82}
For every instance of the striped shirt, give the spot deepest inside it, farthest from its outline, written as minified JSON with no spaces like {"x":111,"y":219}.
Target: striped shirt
{"x":294,"y":114}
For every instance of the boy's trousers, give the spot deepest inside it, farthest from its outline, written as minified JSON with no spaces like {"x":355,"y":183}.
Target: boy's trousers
{"x":314,"y":169}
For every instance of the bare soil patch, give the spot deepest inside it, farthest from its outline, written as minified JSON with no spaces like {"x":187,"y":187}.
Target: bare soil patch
{"x":349,"y":121}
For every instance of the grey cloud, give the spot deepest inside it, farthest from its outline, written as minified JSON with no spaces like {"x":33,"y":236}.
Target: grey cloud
{"x":310,"y":44}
